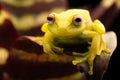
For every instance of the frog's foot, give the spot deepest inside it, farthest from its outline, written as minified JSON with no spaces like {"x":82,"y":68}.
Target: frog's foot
{"x":79,"y":57}
{"x":107,"y":50}
{"x":90,"y":72}
{"x":90,"y":60}
{"x":75,"y":62}
{"x":79,"y":60}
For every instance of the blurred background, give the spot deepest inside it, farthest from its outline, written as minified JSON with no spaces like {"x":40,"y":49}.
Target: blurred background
{"x":20,"y":18}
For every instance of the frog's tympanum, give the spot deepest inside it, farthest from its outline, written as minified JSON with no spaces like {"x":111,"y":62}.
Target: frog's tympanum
{"x":73,"y":32}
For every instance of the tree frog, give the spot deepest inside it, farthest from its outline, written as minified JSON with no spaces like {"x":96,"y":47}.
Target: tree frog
{"x":73,"y":32}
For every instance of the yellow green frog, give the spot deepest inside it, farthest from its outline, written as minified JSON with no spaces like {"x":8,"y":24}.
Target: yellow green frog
{"x":73,"y":32}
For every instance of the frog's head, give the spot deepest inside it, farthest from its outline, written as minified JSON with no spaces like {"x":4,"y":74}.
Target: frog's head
{"x":67,"y":24}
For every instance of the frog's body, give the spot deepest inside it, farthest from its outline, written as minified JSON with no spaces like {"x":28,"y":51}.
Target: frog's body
{"x":67,"y":31}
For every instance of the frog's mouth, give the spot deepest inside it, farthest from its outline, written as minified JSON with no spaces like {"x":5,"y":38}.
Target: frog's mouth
{"x":79,"y":48}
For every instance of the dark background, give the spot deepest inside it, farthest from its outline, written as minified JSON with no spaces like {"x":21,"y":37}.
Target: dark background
{"x":110,"y":18}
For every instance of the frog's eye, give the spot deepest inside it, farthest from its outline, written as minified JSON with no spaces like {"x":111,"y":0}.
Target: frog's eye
{"x":77,"y":20}
{"x":51,"y":18}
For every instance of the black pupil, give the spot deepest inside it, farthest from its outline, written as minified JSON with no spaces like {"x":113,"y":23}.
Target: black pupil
{"x":49,"y":18}
{"x":78,"y":19}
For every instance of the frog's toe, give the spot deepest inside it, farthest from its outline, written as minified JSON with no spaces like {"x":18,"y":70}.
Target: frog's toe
{"x":107,"y":50}
{"x":75,"y":62}
{"x":90,"y":72}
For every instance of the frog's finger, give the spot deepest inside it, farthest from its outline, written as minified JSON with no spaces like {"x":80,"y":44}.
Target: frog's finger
{"x":44,"y":27}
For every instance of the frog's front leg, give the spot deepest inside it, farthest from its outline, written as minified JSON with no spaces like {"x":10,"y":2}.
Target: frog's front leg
{"x":49,"y":47}
{"x":95,"y":49}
